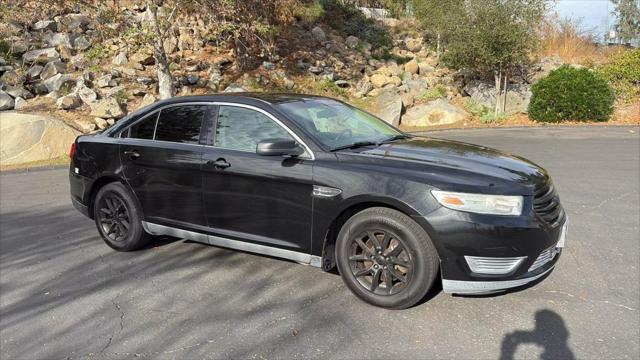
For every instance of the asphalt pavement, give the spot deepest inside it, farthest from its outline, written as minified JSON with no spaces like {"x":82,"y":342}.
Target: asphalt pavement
{"x":65,"y":294}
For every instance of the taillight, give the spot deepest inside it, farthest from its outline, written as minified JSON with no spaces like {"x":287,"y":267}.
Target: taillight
{"x":72,"y":150}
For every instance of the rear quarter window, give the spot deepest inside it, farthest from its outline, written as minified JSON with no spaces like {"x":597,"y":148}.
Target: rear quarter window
{"x":143,"y":129}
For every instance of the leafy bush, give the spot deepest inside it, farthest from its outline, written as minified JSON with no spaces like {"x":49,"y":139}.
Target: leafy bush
{"x":349,"y":20}
{"x":433,"y":94}
{"x":475,"y":107}
{"x":624,"y":74}
{"x":386,"y":55}
{"x":5,"y":51}
{"x":568,"y":93}
{"x":96,"y":52}
{"x":491,"y":118}
{"x":309,"y":12}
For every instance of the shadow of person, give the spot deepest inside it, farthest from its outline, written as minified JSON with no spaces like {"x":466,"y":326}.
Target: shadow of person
{"x":550,"y":333}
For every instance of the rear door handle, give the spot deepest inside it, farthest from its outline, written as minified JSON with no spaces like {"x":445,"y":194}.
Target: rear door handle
{"x":219,"y":164}
{"x":132,"y":154}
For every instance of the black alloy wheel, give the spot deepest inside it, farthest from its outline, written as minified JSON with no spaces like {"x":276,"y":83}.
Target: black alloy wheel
{"x":118,"y":218}
{"x":114,"y":217}
{"x":380,"y":262}
{"x":386,"y":258}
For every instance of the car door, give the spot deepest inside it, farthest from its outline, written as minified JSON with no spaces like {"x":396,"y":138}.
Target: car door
{"x":162,"y":158}
{"x":260,"y":199}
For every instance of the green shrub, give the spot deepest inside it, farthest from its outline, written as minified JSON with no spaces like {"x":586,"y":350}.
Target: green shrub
{"x":96,"y":52}
{"x":309,"y":12}
{"x":623,"y":73}
{"x":568,"y":93}
{"x":386,"y":55}
{"x":433,"y":94}
{"x":5,"y":51}
{"x":490,"y":117}
{"x":475,"y":108}
{"x":349,"y":20}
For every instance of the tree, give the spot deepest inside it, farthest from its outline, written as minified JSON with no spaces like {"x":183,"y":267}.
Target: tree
{"x":160,"y":28}
{"x":494,"y":37}
{"x":439,"y":17}
{"x":627,"y":25}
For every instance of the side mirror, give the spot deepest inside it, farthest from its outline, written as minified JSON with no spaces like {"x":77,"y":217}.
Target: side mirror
{"x":279,"y":147}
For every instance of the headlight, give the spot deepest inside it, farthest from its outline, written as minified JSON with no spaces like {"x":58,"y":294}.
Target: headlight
{"x":480,"y":203}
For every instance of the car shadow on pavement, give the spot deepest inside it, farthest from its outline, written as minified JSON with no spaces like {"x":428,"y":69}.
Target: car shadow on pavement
{"x":550,"y":333}
{"x":63,"y":287}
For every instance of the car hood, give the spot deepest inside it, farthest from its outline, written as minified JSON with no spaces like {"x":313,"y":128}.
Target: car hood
{"x":458,"y":159}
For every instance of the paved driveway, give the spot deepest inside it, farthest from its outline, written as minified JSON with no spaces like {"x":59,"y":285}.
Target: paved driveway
{"x":66,"y":294}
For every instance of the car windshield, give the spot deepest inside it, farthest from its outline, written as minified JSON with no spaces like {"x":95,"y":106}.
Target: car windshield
{"x":337,"y":125}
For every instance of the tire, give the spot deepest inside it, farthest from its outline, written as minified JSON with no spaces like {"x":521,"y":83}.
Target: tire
{"x":405,"y":255}
{"x":123,"y":232}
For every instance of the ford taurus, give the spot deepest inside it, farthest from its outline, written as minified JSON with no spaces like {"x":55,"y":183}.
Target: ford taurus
{"x":319,"y":182}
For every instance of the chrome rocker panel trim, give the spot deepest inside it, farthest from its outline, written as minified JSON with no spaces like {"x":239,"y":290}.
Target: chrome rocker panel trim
{"x":486,"y":287}
{"x":306,"y":259}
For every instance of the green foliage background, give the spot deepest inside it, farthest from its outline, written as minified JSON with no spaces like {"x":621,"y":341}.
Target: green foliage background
{"x":569,"y":93}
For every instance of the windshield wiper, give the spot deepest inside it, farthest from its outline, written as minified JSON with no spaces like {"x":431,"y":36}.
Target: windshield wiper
{"x":397,"y":137}
{"x":356,"y":145}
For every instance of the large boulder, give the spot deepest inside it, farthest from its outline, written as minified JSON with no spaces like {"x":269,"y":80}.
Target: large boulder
{"x":120,"y":59}
{"x":388,"y":107}
{"x":57,"y":81}
{"x":12,"y":77}
{"x":45,"y":25}
{"x":74,"y":22}
{"x":143,"y":58}
{"x":544,"y":67}
{"x":106,"y":81}
{"x":28,"y":138}
{"x":68,"y":102}
{"x":147,"y":100}
{"x":20,"y":103}
{"x":18,"y":92}
{"x":42,"y":56}
{"x":411,"y":67}
{"x":413,"y":44}
{"x":6,"y":101}
{"x":53,"y":68}
{"x":57,"y":39}
{"x":107,"y":109}
{"x":318,"y":33}
{"x":81,"y":43}
{"x":87,"y":95}
{"x":352,"y":41}
{"x":484,"y":93}
{"x":34,"y":71}
{"x":436,"y":112}
{"x":234,"y":88}
{"x":379,"y":80}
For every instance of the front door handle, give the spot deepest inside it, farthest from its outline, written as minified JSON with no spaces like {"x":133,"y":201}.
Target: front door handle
{"x":132,"y":154}
{"x":219,"y":164}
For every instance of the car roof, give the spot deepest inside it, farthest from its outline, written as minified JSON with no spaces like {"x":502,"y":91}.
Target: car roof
{"x":242,"y":97}
{"x":246,"y":98}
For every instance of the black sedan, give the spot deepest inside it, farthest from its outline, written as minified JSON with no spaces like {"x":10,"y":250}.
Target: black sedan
{"x":317,"y":181}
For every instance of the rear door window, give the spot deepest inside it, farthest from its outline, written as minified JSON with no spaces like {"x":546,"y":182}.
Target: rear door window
{"x":180,"y":124}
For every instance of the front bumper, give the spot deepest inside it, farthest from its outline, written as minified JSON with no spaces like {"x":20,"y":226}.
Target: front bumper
{"x":487,"y":287}
{"x":494,"y":242}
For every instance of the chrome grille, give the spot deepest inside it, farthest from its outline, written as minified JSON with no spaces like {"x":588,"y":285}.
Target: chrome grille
{"x":544,"y":257}
{"x":546,"y":203}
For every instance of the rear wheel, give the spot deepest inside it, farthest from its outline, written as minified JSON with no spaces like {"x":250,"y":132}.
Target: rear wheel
{"x":118,"y":219}
{"x":386,"y":258}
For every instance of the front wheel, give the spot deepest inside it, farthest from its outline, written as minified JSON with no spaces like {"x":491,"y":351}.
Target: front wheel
{"x":118,"y":219}
{"x":386,"y":258}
